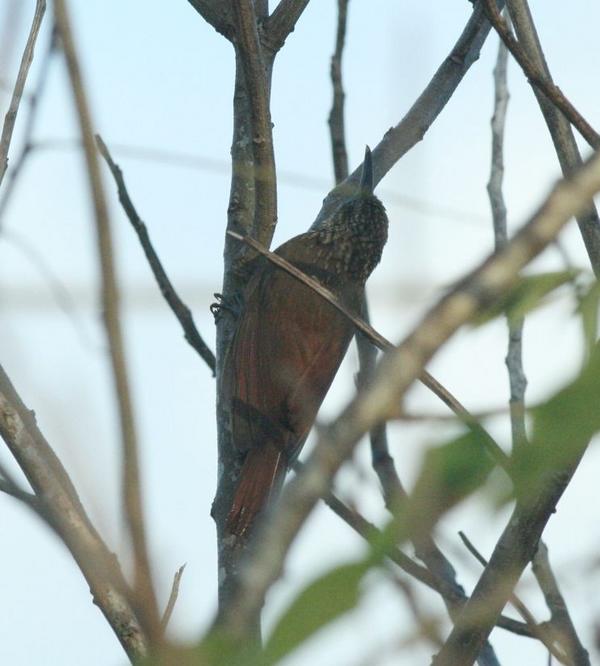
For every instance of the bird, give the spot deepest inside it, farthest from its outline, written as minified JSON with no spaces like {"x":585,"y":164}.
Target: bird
{"x":289,"y":343}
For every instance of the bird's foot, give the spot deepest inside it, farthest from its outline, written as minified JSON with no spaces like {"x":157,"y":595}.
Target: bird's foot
{"x":231,"y":305}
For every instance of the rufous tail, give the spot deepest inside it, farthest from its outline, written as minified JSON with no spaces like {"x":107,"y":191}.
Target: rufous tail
{"x":260,"y":479}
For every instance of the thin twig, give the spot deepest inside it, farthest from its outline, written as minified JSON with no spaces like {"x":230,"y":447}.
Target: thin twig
{"x":250,"y":53}
{"x":178,"y":307}
{"x":145,"y":597}
{"x":561,"y":622}
{"x":537,"y":630}
{"x":27,"y":146}
{"x":539,"y":79}
{"x":11,"y":115}
{"x":336,"y":115}
{"x":395,"y":374}
{"x":164,"y":623}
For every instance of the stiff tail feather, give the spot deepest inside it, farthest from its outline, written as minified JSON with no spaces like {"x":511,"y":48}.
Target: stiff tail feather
{"x":261,"y":476}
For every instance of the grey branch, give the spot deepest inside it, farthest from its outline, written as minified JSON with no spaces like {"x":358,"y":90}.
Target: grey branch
{"x":412,"y":128}
{"x":13,"y":108}
{"x":250,"y":54}
{"x":558,"y":126}
{"x":536,"y":629}
{"x":178,"y":307}
{"x":145,"y":598}
{"x":395,"y":374}
{"x":217,"y":13}
{"x":27,"y":146}
{"x":282,"y":22}
{"x":61,"y":507}
{"x":562,"y":624}
{"x":539,"y":79}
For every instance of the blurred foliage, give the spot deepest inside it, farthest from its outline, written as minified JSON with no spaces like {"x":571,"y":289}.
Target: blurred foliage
{"x":527,"y":294}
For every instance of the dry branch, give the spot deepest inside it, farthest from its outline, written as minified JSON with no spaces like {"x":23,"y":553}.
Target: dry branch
{"x":558,"y":126}
{"x":13,"y":108}
{"x":145,"y":598}
{"x":539,"y":79}
{"x":178,"y":307}
{"x":57,"y":502}
{"x":250,"y":53}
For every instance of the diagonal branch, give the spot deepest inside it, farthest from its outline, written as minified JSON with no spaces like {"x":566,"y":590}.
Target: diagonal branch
{"x":559,"y":127}
{"x":13,"y":108}
{"x":395,"y":374}
{"x":178,"y":307}
{"x":34,"y":101}
{"x":57,"y":501}
{"x":255,"y":74}
{"x":217,"y":13}
{"x":384,"y":345}
{"x":561,"y":620}
{"x":282,"y":22}
{"x":539,"y":79}
{"x":145,"y":597}
{"x":412,"y":128}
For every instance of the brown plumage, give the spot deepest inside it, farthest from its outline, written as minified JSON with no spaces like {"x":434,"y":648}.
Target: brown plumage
{"x":290,"y":342}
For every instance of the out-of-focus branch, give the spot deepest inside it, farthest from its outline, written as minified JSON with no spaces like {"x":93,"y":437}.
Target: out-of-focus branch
{"x":412,"y":128}
{"x":574,"y":653}
{"x":562,"y":624}
{"x":217,"y":13}
{"x":558,"y":126}
{"x":250,"y":53}
{"x":539,"y":79}
{"x":13,"y":108}
{"x":145,"y":598}
{"x":56,"y":500}
{"x":164,"y":623}
{"x":28,"y":145}
{"x":537,"y":630}
{"x":178,"y":307}
{"x":395,"y":374}
{"x":282,"y":22}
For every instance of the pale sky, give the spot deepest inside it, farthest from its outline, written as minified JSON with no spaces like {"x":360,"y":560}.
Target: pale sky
{"x":160,"y":79}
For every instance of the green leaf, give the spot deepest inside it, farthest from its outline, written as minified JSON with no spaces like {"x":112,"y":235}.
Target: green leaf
{"x":322,"y":601}
{"x":562,"y":429}
{"x":588,"y":307}
{"x":449,"y":474}
{"x":526,"y":295}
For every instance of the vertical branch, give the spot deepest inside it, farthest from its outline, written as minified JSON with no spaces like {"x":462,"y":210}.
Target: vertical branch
{"x":558,"y":126}
{"x":34,"y":101}
{"x":11,"y":115}
{"x":143,"y":587}
{"x":257,"y":84}
{"x":514,"y":362}
{"x":336,"y":115}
